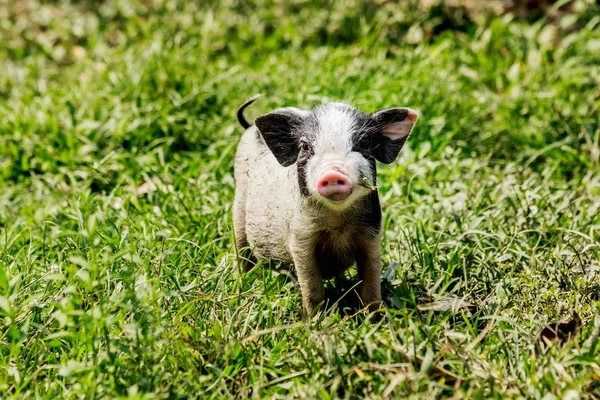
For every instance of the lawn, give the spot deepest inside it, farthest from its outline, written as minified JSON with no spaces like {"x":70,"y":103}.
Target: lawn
{"x":117,"y":138}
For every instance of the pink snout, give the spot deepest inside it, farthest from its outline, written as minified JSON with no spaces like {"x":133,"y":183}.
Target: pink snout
{"x":334,"y":186}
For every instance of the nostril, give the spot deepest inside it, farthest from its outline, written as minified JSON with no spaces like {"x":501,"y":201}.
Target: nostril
{"x":334,"y":185}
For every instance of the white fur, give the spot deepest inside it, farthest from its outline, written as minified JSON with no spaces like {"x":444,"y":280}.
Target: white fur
{"x":335,"y":129}
{"x":273,"y":220}
{"x":333,"y":151}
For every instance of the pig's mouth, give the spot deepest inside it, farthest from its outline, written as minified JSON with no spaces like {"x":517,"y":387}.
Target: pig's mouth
{"x":338,"y":197}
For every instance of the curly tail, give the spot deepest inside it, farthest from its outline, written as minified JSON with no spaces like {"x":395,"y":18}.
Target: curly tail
{"x":240,"y":111}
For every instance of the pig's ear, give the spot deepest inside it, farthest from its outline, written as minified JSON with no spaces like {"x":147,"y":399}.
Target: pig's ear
{"x":394,"y":126}
{"x":278,"y":129}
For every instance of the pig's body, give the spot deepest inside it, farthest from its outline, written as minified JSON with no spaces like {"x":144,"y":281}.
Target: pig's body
{"x":310,"y":209}
{"x":263,"y":210}
{"x":270,"y":210}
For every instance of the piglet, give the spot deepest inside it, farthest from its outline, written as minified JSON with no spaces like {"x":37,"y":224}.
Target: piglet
{"x":306,"y":192}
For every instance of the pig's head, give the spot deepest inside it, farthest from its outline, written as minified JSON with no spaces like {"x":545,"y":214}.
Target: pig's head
{"x":335,"y":147}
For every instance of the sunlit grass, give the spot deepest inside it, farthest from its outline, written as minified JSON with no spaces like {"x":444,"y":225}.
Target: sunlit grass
{"x":117,"y":136}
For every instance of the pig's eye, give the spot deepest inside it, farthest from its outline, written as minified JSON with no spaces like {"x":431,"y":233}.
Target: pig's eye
{"x":367,"y":154}
{"x":304,"y":144}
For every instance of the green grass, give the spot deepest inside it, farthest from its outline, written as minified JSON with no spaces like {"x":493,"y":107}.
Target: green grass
{"x":117,"y":136}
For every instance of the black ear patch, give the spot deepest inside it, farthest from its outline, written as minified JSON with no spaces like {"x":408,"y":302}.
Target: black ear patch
{"x":393,"y":127}
{"x":391,"y":115}
{"x":278,"y":130}
{"x":387,"y":149}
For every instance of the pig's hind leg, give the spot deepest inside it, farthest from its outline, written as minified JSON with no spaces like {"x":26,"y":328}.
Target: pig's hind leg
{"x":244,"y":260}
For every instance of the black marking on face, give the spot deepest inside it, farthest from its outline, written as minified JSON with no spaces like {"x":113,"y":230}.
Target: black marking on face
{"x":373,"y":165}
{"x":369,"y":216}
{"x":365,"y":140}
{"x":305,"y":153}
{"x":364,"y":128}
{"x":368,"y":139}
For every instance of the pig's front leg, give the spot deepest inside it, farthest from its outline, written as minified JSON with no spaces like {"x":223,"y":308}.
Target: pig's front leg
{"x":308,"y":272}
{"x":368,"y":261}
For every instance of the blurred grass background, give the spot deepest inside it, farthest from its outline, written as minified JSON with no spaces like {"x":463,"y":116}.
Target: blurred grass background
{"x":117,"y":135}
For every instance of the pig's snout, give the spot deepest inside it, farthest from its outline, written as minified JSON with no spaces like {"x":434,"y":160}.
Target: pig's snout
{"x":334,"y":185}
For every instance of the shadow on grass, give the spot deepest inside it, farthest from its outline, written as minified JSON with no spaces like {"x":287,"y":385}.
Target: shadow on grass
{"x":401,"y":300}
